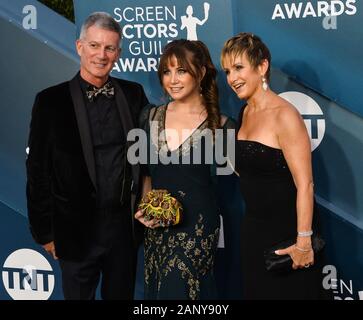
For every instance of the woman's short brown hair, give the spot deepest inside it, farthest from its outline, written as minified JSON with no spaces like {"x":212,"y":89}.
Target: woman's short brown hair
{"x":254,"y":48}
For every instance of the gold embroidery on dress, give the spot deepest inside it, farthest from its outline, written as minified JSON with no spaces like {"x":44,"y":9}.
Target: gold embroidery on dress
{"x":177,"y":251}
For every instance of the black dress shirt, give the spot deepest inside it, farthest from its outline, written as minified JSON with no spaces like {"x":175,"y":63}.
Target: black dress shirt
{"x":109,"y":145}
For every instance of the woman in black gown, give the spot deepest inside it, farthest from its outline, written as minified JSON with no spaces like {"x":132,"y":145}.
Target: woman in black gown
{"x":179,"y":259}
{"x":273,"y":160}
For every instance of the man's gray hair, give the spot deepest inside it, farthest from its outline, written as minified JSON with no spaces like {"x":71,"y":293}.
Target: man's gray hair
{"x":101,"y":20}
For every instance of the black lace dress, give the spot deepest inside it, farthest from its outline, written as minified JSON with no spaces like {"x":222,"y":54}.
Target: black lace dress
{"x":179,"y":259}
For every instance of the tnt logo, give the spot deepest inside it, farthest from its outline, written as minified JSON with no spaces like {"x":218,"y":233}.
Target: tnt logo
{"x":27,"y":275}
{"x":312,"y":114}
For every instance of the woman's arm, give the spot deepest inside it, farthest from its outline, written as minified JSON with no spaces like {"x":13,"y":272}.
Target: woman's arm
{"x":146,"y":185}
{"x":295,"y":144}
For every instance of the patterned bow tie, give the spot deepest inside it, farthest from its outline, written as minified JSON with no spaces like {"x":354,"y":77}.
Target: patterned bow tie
{"x":108,"y":90}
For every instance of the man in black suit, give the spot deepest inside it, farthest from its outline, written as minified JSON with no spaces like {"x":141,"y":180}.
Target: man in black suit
{"x":81,"y":191}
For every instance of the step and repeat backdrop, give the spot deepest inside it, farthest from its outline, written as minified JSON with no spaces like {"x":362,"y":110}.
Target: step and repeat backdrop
{"x":315,"y":47}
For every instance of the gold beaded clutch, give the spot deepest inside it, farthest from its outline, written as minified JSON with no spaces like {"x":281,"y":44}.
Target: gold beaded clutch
{"x":158,"y":204}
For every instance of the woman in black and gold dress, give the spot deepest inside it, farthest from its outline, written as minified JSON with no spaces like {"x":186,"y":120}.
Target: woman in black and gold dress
{"x":179,"y":259}
{"x":273,"y":159}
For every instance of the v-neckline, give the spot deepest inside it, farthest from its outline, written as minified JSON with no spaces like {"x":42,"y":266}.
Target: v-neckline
{"x":188,"y":138}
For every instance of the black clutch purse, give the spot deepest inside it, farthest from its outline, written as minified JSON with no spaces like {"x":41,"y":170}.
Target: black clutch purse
{"x":283,"y":263}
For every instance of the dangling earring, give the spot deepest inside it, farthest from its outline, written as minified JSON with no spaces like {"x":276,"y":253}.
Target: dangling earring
{"x":264,"y":84}
{"x":200,"y":91}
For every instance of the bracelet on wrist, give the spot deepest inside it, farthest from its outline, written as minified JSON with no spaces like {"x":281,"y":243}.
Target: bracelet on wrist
{"x":302,"y":249}
{"x":305,"y":233}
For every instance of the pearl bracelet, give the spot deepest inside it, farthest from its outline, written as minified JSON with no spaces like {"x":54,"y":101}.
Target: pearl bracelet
{"x":305,"y":233}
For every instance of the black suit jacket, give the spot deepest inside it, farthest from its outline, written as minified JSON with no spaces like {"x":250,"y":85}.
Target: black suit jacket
{"x":61,"y":176}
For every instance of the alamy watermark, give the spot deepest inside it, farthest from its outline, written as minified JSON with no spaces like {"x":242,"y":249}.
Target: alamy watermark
{"x":197,"y":147}
{"x":30,"y":20}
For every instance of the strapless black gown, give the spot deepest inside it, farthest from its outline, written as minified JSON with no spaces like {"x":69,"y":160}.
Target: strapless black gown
{"x":270,"y":196}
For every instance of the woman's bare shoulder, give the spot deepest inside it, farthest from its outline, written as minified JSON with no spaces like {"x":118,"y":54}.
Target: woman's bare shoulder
{"x":285,"y":111}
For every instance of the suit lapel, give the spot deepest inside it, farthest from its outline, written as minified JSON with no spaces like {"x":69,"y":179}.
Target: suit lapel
{"x":83,"y":127}
{"x":127,"y":124}
{"x":123,"y":108}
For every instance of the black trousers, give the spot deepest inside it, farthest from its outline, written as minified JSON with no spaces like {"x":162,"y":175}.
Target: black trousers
{"x":110,"y":261}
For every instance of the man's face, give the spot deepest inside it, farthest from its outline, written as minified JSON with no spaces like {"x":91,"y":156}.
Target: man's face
{"x":99,"y":50}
